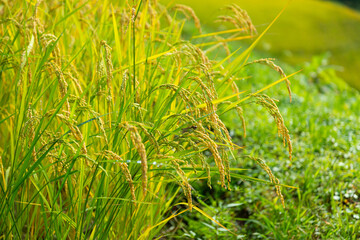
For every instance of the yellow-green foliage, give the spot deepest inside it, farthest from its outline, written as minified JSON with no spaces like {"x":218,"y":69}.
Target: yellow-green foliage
{"x":305,"y":28}
{"x":106,"y":113}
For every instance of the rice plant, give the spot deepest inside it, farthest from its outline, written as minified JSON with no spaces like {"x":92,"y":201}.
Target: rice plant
{"x":108,"y":115}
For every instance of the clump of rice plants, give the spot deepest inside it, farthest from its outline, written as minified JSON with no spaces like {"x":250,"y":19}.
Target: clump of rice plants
{"x":108,"y":114}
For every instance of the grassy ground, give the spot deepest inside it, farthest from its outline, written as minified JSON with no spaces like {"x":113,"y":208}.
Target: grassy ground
{"x":323,"y":119}
{"x":305,"y":28}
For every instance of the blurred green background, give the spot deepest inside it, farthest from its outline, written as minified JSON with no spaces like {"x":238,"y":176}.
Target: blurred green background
{"x":306,"y":28}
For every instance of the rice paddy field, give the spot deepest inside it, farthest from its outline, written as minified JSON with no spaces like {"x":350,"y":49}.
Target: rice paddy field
{"x":144,"y":120}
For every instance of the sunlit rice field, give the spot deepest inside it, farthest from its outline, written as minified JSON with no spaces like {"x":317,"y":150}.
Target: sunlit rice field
{"x":108,"y":116}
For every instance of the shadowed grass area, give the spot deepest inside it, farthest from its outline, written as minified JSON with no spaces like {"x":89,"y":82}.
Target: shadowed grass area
{"x":304,"y":29}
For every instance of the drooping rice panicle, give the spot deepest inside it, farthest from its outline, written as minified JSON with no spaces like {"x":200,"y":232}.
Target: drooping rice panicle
{"x":273,"y":179}
{"x":270,"y":62}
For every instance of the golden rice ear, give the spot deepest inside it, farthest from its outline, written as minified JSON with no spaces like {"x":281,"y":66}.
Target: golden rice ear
{"x":29,"y":127}
{"x":273,"y":179}
{"x":184,"y":182}
{"x":186,"y":10}
{"x":109,"y":68}
{"x":47,"y":40}
{"x":62,"y":83}
{"x":239,"y":18}
{"x":243,"y":15}
{"x":270,"y":62}
{"x":37,"y":26}
{"x":75,"y":131}
{"x":75,"y":80}
{"x":270,"y":105}
{"x":149,"y":135}
{"x":124,"y":169}
{"x":213,"y":148}
{"x":189,"y":100}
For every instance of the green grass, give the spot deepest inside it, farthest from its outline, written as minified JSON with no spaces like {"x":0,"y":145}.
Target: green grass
{"x":324,"y":120}
{"x":306,"y":28}
{"x":109,"y":116}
